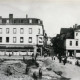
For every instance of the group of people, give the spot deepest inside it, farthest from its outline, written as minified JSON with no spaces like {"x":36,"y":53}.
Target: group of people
{"x":64,"y":60}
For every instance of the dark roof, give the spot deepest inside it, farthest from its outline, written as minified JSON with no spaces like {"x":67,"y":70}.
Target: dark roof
{"x":66,"y":30}
{"x":78,"y":27}
{"x":20,"y":21}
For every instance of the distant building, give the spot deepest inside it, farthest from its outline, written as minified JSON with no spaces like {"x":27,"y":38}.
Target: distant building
{"x":21,"y":36}
{"x":49,"y":41}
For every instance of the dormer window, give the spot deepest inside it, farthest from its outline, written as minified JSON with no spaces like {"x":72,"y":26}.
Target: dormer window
{"x":3,"y":20}
{"x":30,"y":21}
{"x":38,"y":21}
{"x":7,"y":21}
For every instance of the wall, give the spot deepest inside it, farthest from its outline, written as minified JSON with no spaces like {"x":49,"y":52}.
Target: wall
{"x":18,"y":35}
{"x":73,"y":47}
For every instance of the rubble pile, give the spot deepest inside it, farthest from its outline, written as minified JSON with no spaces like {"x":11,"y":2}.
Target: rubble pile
{"x":47,"y":62}
{"x":13,"y":68}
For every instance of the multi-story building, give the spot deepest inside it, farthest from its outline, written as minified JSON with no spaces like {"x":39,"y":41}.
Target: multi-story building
{"x":73,"y":45}
{"x":21,"y":36}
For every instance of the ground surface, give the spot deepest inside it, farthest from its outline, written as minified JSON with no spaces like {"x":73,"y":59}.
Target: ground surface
{"x":52,"y":69}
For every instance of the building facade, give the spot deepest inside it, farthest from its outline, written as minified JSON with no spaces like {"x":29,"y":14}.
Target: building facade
{"x":73,"y":45}
{"x":21,"y":36}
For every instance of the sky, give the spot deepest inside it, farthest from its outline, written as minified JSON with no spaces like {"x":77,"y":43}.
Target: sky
{"x":55,"y":14}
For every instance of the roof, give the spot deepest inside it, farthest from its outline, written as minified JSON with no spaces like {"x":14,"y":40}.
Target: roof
{"x":66,"y":30}
{"x":20,"y":21}
{"x":77,"y":28}
{"x":69,"y":32}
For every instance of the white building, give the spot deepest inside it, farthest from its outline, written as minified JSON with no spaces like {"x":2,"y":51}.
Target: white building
{"x":21,"y":36}
{"x":49,"y":41}
{"x":73,"y":45}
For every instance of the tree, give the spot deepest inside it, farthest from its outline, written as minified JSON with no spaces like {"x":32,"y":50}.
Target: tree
{"x":58,"y":44}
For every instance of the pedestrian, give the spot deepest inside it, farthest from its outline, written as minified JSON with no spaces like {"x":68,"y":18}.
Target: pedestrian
{"x":9,"y":71}
{"x":36,"y":56}
{"x":32,"y":55}
{"x":35,"y":76}
{"x":60,"y":59}
{"x":65,"y":60}
{"x":33,"y":58}
{"x":77,"y":63}
{"x":9,"y":55}
{"x":45,"y":54}
{"x":40,"y":73}
{"x":23,"y":59}
{"x":54,"y":57}
{"x":27,"y":69}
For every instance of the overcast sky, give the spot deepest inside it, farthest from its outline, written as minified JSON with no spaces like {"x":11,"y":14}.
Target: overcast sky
{"x":54,"y":13}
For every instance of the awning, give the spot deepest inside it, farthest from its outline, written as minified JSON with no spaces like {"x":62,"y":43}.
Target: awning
{"x":14,"y":50}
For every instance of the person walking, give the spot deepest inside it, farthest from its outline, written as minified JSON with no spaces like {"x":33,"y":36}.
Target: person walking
{"x":40,"y":73}
{"x":60,"y":59}
{"x":35,"y":76}
{"x":65,"y":60}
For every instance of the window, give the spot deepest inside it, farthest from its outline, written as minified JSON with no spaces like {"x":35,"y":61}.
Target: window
{"x":7,"y":21}
{"x":3,"y":20}
{"x":14,"y":31}
{"x":0,"y":39}
{"x":24,"y":21}
{"x":0,"y":30}
{"x":70,"y":43}
{"x":14,"y":39}
{"x":40,"y":40}
{"x":76,"y":34}
{"x":7,"y":39}
{"x":7,"y":30}
{"x":21,"y":39}
{"x":38,"y":21}
{"x":16,"y":21}
{"x":76,"y":43}
{"x":30,"y":40}
{"x":21,"y":30}
{"x":30,"y":21}
{"x":30,"y":30}
{"x":38,"y":31}
{"x":35,"y":21}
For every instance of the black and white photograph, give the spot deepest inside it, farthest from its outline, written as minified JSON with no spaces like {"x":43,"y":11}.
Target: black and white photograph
{"x":39,"y":39}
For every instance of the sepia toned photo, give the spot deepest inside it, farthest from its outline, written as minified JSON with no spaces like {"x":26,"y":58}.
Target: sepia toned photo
{"x":39,"y":39}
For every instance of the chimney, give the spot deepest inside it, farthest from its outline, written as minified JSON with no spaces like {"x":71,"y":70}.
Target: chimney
{"x":76,"y":26}
{"x":26,"y":16}
{"x":73,"y":26}
{"x":10,"y":18}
